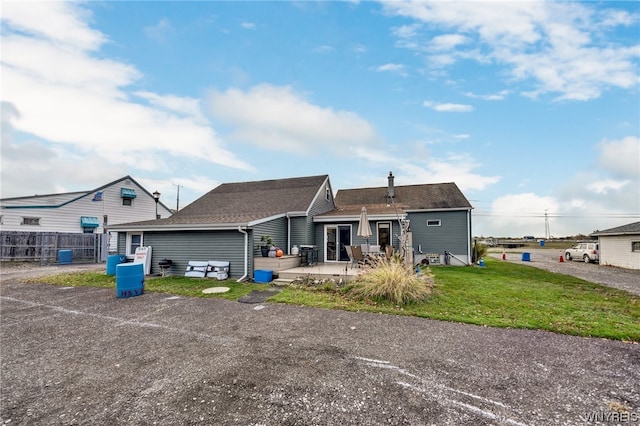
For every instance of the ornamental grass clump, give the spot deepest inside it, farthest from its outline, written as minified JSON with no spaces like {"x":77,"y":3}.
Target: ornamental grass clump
{"x":393,"y":281}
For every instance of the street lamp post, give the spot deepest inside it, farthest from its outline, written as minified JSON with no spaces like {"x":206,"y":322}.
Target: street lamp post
{"x":156,"y":197}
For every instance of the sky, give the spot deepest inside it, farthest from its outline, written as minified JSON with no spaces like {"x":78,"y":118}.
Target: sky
{"x":531,"y":108}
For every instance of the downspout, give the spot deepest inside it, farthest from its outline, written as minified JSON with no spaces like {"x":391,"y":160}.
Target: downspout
{"x":288,"y":234}
{"x":246,"y":256}
{"x":470,"y":237}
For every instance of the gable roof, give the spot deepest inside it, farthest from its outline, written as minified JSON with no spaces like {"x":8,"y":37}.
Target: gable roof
{"x":631,"y":228}
{"x":425,"y":197}
{"x":61,"y":199}
{"x":246,"y":203}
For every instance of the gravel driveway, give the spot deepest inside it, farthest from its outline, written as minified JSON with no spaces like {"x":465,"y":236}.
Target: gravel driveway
{"x":79,"y":355}
{"x":549,"y":259}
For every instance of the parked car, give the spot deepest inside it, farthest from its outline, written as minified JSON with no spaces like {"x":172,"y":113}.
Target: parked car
{"x":586,"y":252}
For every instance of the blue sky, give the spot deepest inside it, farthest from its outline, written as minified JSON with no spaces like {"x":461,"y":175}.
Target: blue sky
{"x":531,"y":108}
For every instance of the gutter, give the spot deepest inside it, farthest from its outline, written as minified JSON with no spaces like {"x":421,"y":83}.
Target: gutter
{"x":246,"y":256}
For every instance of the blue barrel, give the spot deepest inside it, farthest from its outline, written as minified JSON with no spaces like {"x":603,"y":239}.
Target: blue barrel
{"x":113,"y":261}
{"x":262,"y":276}
{"x":65,"y":256}
{"x":129,"y":279}
{"x":526,"y":256}
{"x":541,"y":243}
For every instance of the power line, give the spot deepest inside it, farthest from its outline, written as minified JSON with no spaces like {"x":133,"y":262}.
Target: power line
{"x":568,"y":216}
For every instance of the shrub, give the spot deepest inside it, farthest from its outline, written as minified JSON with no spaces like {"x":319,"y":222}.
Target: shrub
{"x":479,"y":250}
{"x":392,"y":280}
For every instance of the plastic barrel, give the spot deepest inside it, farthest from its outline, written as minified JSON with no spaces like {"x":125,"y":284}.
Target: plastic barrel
{"x":541,"y":243}
{"x":129,"y":279}
{"x":113,"y":261}
{"x":262,"y":276}
{"x":65,"y":256}
{"x":526,"y":256}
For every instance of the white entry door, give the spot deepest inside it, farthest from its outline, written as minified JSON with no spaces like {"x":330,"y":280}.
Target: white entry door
{"x":336,"y":237}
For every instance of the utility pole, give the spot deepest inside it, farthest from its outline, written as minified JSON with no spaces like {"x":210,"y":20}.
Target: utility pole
{"x":546,"y":225}
{"x":177,"y":197}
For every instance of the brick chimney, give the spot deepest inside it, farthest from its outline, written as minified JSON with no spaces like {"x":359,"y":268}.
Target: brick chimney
{"x":391,"y":190}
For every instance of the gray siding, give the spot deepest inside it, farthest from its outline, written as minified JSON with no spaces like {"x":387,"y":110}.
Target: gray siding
{"x":301,"y":231}
{"x":452,"y":235}
{"x":321,"y":204}
{"x":181,"y":247}
{"x":276,"y":228}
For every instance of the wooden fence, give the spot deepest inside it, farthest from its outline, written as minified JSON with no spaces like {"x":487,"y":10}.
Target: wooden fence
{"x":43,"y":247}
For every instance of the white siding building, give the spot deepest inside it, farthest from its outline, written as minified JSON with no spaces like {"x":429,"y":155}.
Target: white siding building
{"x":121,"y":201}
{"x":620,"y":246}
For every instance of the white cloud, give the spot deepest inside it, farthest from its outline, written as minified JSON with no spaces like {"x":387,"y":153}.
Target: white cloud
{"x":621,"y":158}
{"x":448,"y":107}
{"x":60,"y":22}
{"x":489,"y":97}
{"x":446,"y":41}
{"x":560,"y":47}
{"x":248,"y":25}
{"x":606,"y":185}
{"x":64,"y":95}
{"x":515,"y":215}
{"x":278,"y":118}
{"x":390,"y":67}
{"x":605,"y":195}
{"x":160,"y":31}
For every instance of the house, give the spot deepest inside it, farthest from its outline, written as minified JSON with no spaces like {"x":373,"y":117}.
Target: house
{"x":438,"y":217}
{"x":123,"y":200}
{"x":620,"y":246}
{"x":227,"y":223}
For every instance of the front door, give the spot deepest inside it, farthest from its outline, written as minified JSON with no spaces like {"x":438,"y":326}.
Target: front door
{"x":336,"y":237}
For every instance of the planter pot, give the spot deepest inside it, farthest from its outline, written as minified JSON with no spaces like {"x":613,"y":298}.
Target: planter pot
{"x":264,"y":250}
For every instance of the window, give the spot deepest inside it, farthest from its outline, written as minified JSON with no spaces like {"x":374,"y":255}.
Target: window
{"x":31,"y":221}
{"x":127,"y":196}
{"x":134,"y":241}
{"x":433,"y":222}
{"x":327,"y":193}
{"x":88,"y":230}
{"x":635,"y":246}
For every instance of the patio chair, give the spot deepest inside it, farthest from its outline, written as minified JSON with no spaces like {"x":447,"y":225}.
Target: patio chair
{"x":374,"y":249}
{"x":358,"y":257}
{"x":388,"y":251}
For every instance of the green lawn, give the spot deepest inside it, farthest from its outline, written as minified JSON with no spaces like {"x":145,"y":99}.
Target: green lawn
{"x":502,"y":294}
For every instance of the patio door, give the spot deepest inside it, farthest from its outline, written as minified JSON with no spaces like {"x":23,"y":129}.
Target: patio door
{"x":336,"y":237}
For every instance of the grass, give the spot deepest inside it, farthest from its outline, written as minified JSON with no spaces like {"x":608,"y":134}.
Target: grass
{"x":180,"y":286}
{"x":503,"y":294}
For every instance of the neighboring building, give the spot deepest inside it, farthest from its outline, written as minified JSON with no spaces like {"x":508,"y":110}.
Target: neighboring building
{"x":120,"y":201}
{"x":620,"y":246}
{"x":227,"y":223}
